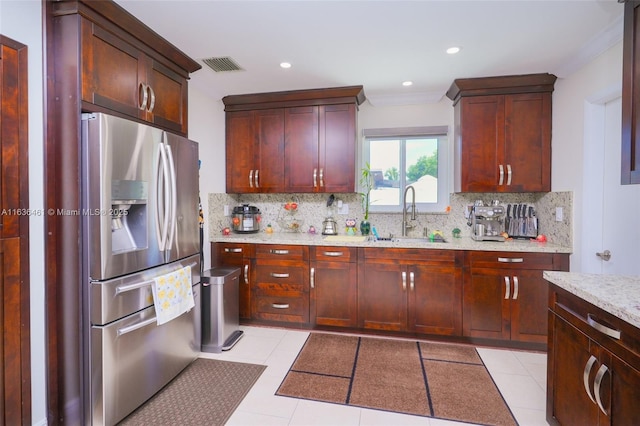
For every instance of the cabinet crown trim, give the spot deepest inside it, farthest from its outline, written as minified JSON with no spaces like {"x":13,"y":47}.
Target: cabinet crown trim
{"x":335,"y":95}
{"x":525,"y":83}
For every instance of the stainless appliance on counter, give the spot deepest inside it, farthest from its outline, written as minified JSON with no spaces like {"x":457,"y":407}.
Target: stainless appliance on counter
{"x":246,"y":219}
{"x":140,"y":222}
{"x":488,"y":222}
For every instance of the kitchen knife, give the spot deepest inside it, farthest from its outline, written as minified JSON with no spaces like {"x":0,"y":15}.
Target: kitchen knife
{"x":507,"y":224}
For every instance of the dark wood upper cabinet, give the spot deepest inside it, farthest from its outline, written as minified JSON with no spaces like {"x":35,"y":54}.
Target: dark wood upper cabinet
{"x":308,"y":144}
{"x":630,"y":173}
{"x":503,"y":133}
{"x":118,"y":72}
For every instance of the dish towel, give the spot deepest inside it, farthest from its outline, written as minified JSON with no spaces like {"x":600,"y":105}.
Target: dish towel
{"x":172,"y":295}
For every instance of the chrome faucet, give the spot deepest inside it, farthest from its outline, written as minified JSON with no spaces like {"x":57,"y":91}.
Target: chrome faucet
{"x":405,"y":224}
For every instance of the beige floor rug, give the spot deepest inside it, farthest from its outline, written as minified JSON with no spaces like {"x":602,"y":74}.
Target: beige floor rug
{"x":207,"y":392}
{"x":439,"y":380}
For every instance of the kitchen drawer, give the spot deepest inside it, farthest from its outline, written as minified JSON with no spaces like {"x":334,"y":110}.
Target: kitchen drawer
{"x":282,"y":308}
{"x":334,"y":254}
{"x":406,"y":256}
{"x":511,"y":260}
{"x":231,"y":252}
{"x":274,"y":276}
{"x":610,"y":331}
{"x":283,"y":252}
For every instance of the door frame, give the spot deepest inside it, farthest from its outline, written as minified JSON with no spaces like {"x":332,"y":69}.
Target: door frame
{"x":593,"y":170}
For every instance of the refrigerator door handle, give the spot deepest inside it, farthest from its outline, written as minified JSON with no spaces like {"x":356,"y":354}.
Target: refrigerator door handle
{"x":173,"y":220}
{"x":162,"y":213}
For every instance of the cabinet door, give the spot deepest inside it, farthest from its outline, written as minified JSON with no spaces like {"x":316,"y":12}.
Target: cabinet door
{"x":529,"y":303}
{"x":301,"y":150}
{"x":241,"y":152}
{"x":269,"y":127}
{"x":482,"y":140}
{"x":486,"y":304}
{"x":625,"y":394}
{"x":337,"y":148}
{"x":112,"y":71}
{"x":527,"y":145}
{"x":435,"y":300}
{"x":382,"y":297}
{"x":630,"y":171}
{"x":238,"y":255}
{"x":333,"y":293}
{"x":570,"y":358}
{"x":170,"y":97}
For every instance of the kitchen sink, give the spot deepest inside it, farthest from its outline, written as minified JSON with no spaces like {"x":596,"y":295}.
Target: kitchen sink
{"x":412,"y":240}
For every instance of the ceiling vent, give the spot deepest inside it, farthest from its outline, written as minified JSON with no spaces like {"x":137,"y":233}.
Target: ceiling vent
{"x":222,"y":64}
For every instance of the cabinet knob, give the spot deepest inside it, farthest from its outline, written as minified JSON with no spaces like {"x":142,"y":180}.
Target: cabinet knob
{"x":605,"y":255}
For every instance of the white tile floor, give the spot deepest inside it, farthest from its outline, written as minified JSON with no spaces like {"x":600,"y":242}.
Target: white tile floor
{"x":520,"y":376}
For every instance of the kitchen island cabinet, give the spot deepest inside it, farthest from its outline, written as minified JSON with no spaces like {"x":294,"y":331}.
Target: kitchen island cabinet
{"x":296,"y":142}
{"x":503,"y":133}
{"x":333,"y":282}
{"x":506,"y":297}
{"x":410,"y":290}
{"x":593,"y":370}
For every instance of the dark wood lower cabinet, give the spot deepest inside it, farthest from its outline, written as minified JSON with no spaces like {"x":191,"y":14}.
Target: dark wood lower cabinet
{"x":406,"y":290}
{"x":505,"y":296}
{"x":239,"y":255}
{"x":333,"y":282}
{"x":592,"y":379}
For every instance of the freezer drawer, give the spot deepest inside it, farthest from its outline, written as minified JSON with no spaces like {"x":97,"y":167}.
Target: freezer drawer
{"x":119,"y":297}
{"x":133,"y":358}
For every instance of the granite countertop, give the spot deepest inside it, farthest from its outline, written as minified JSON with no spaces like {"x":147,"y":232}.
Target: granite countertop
{"x":464,"y":243}
{"x":617,"y":294}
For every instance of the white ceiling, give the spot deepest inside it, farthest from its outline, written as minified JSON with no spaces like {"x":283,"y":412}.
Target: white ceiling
{"x":379,"y":44}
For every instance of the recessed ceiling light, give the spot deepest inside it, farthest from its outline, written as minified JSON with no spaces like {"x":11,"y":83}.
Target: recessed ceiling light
{"x":285,"y":65}
{"x":407,"y":83}
{"x":453,"y":50}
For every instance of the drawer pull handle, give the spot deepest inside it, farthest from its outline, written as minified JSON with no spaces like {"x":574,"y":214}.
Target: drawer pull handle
{"x":501,"y":174}
{"x":412,"y":280}
{"x":507,"y":287}
{"x":333,"y":253}
{"x":510,"y":260}
{"x":315,"y":178}
{"x":321,"y":177}
{"x":256,"y":179}
{"x":280,"y":305}
{"x":404,"y":281}
{"x":585,"y":376}
{"x":142,"y":88}
{"x":251,"y":179}
{"x":603,"y":328}
{"x":313,"y":278}
{"x":274,"y":251}
{"x":515,"y":288}
{"x":246,"y":274}
{"x":152,"y":102}
{"x":508,"y":174}
{"x":596,"y":388}
{"x":233,"y":250}
{"x":279,"y":275}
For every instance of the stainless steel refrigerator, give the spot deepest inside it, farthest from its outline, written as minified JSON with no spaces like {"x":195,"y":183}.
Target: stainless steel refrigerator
{"x":140,"y":222}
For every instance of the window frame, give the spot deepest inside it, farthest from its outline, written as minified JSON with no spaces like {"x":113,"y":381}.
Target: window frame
{"x":444,"y":168}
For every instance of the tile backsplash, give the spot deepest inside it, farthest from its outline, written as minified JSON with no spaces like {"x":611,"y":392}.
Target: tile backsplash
{"x":312,"y":211}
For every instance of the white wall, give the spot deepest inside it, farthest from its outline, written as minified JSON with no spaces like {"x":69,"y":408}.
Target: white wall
{"x":568,"y":136}
{"x":206,"y":126}
{"x":22,"y":21}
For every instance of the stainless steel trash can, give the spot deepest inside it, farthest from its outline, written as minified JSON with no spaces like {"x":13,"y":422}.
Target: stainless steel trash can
{"x":220,"y":310}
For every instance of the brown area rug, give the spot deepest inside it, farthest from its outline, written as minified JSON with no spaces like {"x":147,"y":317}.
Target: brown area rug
{"x":439,"y":380}
{"x":207,"y":392}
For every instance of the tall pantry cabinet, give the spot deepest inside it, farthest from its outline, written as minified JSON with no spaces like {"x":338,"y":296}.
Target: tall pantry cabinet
{"x":503,"y":133}
{"x":99,"y":58}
